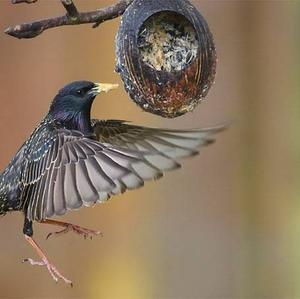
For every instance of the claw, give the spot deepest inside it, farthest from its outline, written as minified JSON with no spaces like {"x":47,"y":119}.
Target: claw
{"x":86,"y":233}
{"x":63,"y":231}
{"x":56,"y":275}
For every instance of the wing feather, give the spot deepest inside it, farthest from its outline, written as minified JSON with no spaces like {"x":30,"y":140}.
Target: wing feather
{"x":168,"y":142}
{"x":69,"y":170}
{"x":74,"y":201}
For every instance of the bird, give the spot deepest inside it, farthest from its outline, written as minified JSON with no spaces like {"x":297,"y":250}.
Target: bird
{"x":71,"y":161}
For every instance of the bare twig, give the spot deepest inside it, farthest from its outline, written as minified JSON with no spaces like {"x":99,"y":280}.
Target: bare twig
{"x":29,"y":30}
{"x":70,"y":8}
{"x":22,"y":1}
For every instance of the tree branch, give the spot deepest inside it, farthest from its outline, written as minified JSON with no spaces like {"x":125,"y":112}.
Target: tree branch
{"x":70,"y":8}
{"x":30,"y":30}
{"x":22,"y":1}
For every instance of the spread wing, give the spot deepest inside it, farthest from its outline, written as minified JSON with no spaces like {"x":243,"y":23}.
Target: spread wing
{"x":66,"y":170}
{"x":172,"y":144}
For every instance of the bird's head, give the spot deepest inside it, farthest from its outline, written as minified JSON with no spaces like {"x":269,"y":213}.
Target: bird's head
{"x":78,"y":96}
{"x":75,"y":99}
{"x":72,"y":105}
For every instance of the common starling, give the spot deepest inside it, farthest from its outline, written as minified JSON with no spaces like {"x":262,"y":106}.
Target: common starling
{"x":71,"y":160}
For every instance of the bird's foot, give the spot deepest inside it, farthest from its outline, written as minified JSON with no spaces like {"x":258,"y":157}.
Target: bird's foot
{"x":56,"y":275}
{"x":44,"y":262}
{"x":85,"y":232}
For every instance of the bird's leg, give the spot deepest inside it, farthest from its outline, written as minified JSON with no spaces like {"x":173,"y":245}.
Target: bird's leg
{"x":67,"y":227}
{"x":56,"y":275}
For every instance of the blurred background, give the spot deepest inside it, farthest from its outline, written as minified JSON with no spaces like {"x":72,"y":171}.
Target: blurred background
{"x":227,"y":225}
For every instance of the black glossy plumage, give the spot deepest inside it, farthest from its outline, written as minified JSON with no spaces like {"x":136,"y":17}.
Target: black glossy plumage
{"x":70,"y":160}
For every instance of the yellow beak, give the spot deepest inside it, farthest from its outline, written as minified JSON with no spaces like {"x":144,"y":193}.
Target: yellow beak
{"x":99,"y":87}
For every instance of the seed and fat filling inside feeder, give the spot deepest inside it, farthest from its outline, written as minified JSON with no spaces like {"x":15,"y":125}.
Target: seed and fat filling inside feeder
{"x":167,"y":41}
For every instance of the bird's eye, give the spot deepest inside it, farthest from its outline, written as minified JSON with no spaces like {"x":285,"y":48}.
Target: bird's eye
{"x":82,"y":91}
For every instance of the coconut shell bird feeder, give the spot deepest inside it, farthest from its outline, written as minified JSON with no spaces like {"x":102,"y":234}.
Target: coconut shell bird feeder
{"x":165,"y":55}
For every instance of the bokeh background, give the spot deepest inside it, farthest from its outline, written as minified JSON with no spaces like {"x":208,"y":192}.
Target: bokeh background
{"x":227,"y":225}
